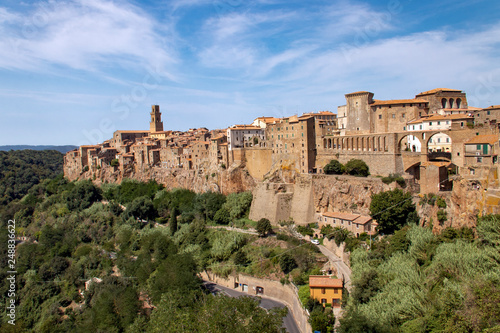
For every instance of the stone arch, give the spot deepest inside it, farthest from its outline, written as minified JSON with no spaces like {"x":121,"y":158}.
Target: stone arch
{"x":451,"y":103}
{"x":329,"y":143}
{"x":409,"y":143}
{"x":324,"y":143}
{"x":439,"y":142}
{"x":444,"y":102}
{"x":357,"y":143}
{"x":459,"y":103}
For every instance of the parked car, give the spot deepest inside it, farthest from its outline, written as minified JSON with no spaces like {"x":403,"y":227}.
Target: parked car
{"x":315,"y":241}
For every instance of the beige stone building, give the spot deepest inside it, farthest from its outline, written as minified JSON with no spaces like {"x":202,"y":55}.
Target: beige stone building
{"x":355,"y":223}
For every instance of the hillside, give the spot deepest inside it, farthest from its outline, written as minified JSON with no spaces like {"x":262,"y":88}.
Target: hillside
{"x":20,"y":170}
{"x":61,"y":149}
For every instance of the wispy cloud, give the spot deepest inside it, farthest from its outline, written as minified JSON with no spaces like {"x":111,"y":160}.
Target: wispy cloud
{"x":85,"y":35}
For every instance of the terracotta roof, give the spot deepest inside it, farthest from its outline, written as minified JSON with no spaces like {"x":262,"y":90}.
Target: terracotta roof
{"x":363,"y":219}
{"x":492,"y":107}
{"x":399,"y":101}
{"x":433,"y":91}
{"x":221,"y":136}
{"x":89,"y":146}
{"x":324,"y":281}
{"x":343,"y":216}
{"x":436,"y":117}
{"x":490,"y":139}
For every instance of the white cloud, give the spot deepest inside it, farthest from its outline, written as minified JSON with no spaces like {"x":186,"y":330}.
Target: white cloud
{"x":86,"y":35}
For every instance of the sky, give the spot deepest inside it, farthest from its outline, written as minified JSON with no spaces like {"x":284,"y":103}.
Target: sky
{"x":74,"y":71}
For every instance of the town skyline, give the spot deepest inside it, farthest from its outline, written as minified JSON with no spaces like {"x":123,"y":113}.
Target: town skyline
{"x":74,"y":72}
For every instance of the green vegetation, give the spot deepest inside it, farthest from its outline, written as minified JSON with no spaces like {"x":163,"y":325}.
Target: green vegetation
{"x":357,"y":167}
{"x":334,"y":167}
{"x":394,"y":178}
{"x":95,"y":266}
{"x":392,"y":210}
{"x":415,"y":281}
{"x":264,"y":227}
{"x":354,"y":167}
{"x":22,"y":169}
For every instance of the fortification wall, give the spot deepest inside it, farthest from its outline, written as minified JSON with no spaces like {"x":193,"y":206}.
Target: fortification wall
{"x":381,"y":164}
{"x":287,"y":294}
{"x":258,"y":162}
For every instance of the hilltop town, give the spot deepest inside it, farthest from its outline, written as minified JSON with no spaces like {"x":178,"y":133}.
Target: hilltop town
{"x":435,"y":141}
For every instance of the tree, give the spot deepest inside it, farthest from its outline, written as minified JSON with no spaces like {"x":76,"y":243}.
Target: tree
{"x":334,"y":168}
{"x":357,"y":167}
{"x":141,"y":208}
{"x":173,"y":221}
{"x":340,"y":235}
{"x":392,"y":210}
{"x":263,"y":227}
{"x":83,"y":195}
{"x":327,"y":231}
{"x":222,"y":216}
{"x":287,"y":263}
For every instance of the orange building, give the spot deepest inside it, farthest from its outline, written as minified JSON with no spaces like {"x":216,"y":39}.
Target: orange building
{"x":325,"y":289}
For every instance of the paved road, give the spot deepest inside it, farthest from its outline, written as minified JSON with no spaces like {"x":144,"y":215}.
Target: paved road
{"x":343,"y":270}
{"x":266,"y":303}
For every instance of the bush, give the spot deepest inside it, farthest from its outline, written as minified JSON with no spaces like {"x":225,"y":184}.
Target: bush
{"x":442,"y":216}
{"x":440,"y":202}
{"x":357,"y":167}
{"x":287,"y":263}
{"x":334,"y":168}
{"x":264,"y":227}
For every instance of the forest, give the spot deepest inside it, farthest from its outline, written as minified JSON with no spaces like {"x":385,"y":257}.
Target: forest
{"x":126,"y":258}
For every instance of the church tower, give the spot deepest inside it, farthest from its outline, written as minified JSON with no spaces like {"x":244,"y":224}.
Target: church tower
{"x":156,"y":125}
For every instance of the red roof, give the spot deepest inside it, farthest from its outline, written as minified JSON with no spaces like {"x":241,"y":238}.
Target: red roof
{"x":490,"y":139}
{"x":324,"y":281}
{"x":399,"y":101}
{"x":434,"y":91}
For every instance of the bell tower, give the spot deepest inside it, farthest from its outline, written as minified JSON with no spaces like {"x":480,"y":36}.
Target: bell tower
{"x":156,"y":125}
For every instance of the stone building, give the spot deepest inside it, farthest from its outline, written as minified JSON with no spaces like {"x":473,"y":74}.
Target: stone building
{"x":244,"y":136}
{"x":487,"y":116}
{"x":355,"y":223}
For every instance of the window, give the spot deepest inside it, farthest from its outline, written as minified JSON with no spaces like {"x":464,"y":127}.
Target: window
{"x":357,"y":226}
{"x":462,"y":124}
{"x":393,"y":115}
{"x":323,"y":291}
{"x":420,"y":126}
{"x":478,"y":147}
{"x":439,"y":123}
{"x":439,"y":140}
{"x":403,"y":115}
{"x":488,"y":112}
{"x":430,"y":140}
{"x":448,"y":140}
{"x":323,"y":301}
{"x":336,"y":291}
{"x":430,"y":123}
{"x":479,"y":159}
{"x":379,"y":116}
{"x":404,"y":128}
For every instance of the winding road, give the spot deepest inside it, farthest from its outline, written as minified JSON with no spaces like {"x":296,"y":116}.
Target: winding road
{"x":266,"y":303}
{"x":343,"y":270}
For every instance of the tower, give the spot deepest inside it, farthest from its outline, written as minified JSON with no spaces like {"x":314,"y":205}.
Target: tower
{"x":156,"y":125}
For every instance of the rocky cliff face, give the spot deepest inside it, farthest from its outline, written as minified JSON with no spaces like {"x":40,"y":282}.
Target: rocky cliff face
{"x":234,"y":179}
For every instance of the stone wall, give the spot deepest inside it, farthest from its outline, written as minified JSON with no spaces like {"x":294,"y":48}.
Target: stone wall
{"x":287,"y":294}
{"x":258,"y":162}
{"x":337,"y":250}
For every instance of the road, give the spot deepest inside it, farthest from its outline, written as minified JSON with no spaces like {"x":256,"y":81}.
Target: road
{"x":344,"y":272}
{"x":266,"y":303}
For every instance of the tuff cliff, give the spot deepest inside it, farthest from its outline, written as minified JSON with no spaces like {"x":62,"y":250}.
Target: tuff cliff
{"x":234,"y":179}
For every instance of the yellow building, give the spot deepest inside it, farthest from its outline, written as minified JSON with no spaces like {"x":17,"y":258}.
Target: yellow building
{"x":325,"y":289}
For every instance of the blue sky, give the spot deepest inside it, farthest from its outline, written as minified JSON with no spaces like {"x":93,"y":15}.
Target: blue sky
{"x":73,"y":71}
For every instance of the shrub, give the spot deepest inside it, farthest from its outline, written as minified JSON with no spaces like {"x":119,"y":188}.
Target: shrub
{"x":334,"y":168}
{"x":357,"y":167}
{"x":440,"y":202}
{"x":442,"y":216}
{"x":264,"y":227}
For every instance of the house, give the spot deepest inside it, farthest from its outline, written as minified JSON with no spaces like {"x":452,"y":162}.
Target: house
{"x":355,"y":223}
{"x":326,"y":289}
{"x":482,"y":150}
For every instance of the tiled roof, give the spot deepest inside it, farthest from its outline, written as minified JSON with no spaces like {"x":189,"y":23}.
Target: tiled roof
{"x":324,"y":281}
{"x":433,"y":91}
{"x":363,"y":219}
{"x":437,"y":117}
{"x":493,"y":107}
{"x":490,"y":139}
{"x":119,"y":131}
{"x":399,"y":101}
{"x":343,"y":216}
